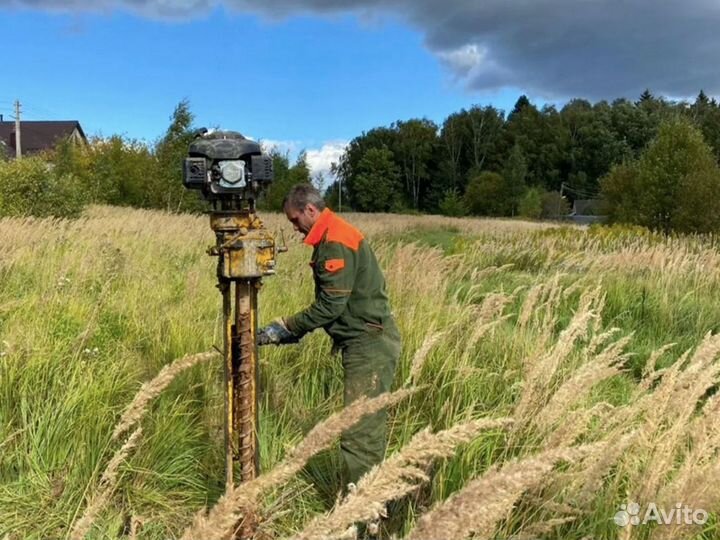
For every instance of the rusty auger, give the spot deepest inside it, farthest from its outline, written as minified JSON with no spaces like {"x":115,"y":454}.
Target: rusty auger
{"x":231,"y":172}
{"x":246,"y":252}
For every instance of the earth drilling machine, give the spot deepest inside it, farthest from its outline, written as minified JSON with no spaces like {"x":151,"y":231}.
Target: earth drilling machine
{"x":231,"y":172}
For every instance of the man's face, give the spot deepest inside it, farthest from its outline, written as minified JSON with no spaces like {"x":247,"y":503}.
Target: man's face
{"x":304,"y":219}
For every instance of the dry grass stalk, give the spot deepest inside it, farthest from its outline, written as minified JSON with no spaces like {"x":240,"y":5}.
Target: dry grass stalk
{"x":231,"y":506}
{"x":136,"y":523}
{"x":669,"y":436}
{"x":528,"y":307}
{"x":492,"y":306}
{"x":541,"y":529}
{"x":599,"y":340}
{"x":106,"y":486}
{"x":694,"y":483}
{"x":421,"y":355}
{"x":575,"y":425}
{"x":554,"y":295}
{"x":479,"y":506}
{"x":151,"y":389}
{"x":395,"y":477}
{"x":540,"y":372}
{"x":590,"y":480}
{"x":650,"y":372}
{"x":604,"y":366}
{"x":477,"y":335}
{"x":480,"y":274}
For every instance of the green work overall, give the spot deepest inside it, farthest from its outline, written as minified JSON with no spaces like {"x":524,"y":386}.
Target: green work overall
{"x":352,"y":306}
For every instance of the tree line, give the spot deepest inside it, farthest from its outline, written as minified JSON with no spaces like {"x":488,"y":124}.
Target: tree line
{"x":652,"y":162}
{"x":120,"y":171}
{"x":480,"y":161}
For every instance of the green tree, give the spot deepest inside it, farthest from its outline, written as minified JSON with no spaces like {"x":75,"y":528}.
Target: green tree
{"x":593,"y":145}
{"x":622,"y":193}
{"x":284,"y":177}
{"x":487,"y":195}
{"x":415,"y":152}
{"x":699,"y":208}
{"x":632,"y":126}
{"x":377,"y":185}
{"x":483,"y":137}
{"x":515,"y":172}
{"x":166,"y":189}
{"x":543,"y":139}
{"x":531,"y":204}
{"x":452,"y":204}
{"x":705,"y":113}
{"x":332,"y":197}
{"x":120,"y":172}
{"x":347,"y":169}
{"x":451,"y":138}
{"x":675,"y":179}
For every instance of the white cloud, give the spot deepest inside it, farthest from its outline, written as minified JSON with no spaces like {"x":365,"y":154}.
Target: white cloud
{"x":290,"y":147}
{"x":464,"y":59}
{"x":320,"y":160}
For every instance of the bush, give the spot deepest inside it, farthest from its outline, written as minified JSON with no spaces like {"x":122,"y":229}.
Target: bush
{"x":487,"y":195}
{"x":452,"y":204}
{"x":30,"y":186}
{"x":531,"y":204}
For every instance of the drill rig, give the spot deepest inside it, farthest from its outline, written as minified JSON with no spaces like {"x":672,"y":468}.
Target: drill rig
{"x":231,"y":172}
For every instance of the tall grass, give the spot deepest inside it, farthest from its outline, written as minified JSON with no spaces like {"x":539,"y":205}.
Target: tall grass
{"x":566,"y":331}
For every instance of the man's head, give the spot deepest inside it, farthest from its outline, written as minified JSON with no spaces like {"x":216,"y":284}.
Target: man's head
{"x":303,"y":206}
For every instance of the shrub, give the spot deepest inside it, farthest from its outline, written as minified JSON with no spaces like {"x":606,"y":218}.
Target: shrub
{"x":452,"y":204}
{"x":30,"y":186}
{"x":487,"y":195}
{"x":531,"y":204}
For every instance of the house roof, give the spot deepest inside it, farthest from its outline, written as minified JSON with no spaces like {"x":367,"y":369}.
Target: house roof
{"x":38,"y":135}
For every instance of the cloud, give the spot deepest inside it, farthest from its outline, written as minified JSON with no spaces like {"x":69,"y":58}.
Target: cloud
{"x":284,"y":147}
{"x":550,"y":48}
{"x":320,"y":160}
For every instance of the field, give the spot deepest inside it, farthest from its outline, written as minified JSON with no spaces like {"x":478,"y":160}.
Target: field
{"x":562,"y":373}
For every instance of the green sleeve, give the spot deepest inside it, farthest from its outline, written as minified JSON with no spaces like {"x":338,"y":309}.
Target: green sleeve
{"x":334,"y":286}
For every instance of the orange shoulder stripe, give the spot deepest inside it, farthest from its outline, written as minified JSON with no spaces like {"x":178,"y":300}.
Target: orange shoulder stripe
{"x":342,"y":232}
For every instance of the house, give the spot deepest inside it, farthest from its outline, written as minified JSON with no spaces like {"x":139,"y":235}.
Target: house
{"x":586,"y":211}
{"x":36,"y":136}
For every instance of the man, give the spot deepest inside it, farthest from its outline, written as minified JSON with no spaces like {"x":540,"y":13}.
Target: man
{"x":351,"y":305}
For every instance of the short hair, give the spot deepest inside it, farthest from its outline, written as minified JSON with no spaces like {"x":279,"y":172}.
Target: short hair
{"x":300,"y":195}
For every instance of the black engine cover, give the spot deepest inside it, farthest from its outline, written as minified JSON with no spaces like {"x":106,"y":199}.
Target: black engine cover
{"x":222,"y":145}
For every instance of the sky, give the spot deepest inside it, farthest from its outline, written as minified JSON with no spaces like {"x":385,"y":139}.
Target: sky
{"x":312,"y":74}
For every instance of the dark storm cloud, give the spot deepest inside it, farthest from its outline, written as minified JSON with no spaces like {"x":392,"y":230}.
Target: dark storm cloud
{"x":553,"y":48}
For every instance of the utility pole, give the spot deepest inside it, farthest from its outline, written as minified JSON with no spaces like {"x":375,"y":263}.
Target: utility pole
{"x":339,"y":193}
{"x":18,"y":147}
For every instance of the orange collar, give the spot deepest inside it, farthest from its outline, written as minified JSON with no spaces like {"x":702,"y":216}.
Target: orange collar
{"x":319,"y":228}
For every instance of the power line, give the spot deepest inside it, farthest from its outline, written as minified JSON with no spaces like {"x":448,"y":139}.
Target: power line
{"x":581,"y":192}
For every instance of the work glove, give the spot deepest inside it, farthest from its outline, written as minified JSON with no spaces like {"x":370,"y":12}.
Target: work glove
{"x":276,"y":333}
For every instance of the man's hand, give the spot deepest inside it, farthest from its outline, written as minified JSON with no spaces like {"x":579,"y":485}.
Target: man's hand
{"x":276,"y":333}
